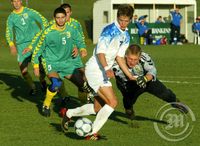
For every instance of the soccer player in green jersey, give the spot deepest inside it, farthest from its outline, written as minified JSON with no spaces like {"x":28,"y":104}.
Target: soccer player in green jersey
{"x":76,"y":25}
{"x":75,"y":52}
{"x":55,"y":46}
{"x":69,"y":21}
{"x":22,"y":26}
{"x":83,"y":52}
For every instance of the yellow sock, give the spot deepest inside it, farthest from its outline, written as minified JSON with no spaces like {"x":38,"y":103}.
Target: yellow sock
{"x":49,"y":97}
{"x":62,"y":91}
{"x":29,"y":80}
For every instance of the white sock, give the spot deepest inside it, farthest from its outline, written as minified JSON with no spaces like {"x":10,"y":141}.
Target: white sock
{"x":86,"y":109}
{"x":101,"y":118}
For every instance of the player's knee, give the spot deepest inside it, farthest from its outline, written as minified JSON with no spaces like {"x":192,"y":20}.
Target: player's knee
{"x":55,"y":84}
{"x":113,"y":103}
{"x":24,"y":73}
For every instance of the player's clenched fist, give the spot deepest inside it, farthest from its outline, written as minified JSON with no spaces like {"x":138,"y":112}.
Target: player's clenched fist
{"x":141,"y":81}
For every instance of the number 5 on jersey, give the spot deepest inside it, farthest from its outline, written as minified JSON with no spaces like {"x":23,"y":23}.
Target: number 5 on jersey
{"x":64,"y":41}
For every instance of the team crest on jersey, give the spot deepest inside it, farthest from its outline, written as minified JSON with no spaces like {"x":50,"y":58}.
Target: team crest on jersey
{"x":137,"y":70}
{"x":25,"y":15}
{"x":68,"y":34}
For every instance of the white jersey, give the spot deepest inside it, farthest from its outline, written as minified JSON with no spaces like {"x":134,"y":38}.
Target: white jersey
{"x":112,"y":42}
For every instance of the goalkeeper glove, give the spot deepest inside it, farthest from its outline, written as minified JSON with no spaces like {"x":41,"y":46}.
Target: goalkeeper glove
{"x":141,"y":81}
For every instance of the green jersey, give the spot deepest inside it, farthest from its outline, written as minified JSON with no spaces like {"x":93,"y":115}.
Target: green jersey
{"x":74,"y":24}
{"x":24,"y":25}
{"x":57,"y":45}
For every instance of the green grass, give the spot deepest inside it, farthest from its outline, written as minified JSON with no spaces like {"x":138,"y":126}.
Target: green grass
{"x":22,"y":125}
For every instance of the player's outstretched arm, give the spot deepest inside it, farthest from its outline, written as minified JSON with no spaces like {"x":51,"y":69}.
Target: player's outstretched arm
{"x":102,"y":60}
{"x":123,"y":66}
{"x":10,"y":36}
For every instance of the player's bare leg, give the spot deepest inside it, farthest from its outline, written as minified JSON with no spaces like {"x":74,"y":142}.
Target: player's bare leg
{"x":24,"y":71}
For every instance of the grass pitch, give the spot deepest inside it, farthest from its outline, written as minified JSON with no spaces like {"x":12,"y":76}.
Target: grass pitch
{"x":22,"y":125}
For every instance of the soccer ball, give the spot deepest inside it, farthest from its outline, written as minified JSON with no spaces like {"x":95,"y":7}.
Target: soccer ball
{"x":83,"y":126}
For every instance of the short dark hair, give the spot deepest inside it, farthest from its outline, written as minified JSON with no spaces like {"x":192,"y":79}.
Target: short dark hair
{"x":125,"y":10}
{"x":65,"y":5}
{"x":59,"y":10}
{"x":133,"y":49}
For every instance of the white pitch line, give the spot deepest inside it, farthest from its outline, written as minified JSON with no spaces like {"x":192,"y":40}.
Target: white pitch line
{"x":164,"y":81}
{"x":9,"y":70}
{"x":173,"y":77}
{"x":180,"y":77}
{"x":179,"y":82}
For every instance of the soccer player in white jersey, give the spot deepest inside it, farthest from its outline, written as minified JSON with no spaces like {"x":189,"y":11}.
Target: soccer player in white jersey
{"x":112,"y":44}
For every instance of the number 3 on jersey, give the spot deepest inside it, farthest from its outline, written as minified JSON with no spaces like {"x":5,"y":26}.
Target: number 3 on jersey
{"x":49,"y":68}
{"x":64,"y":40}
